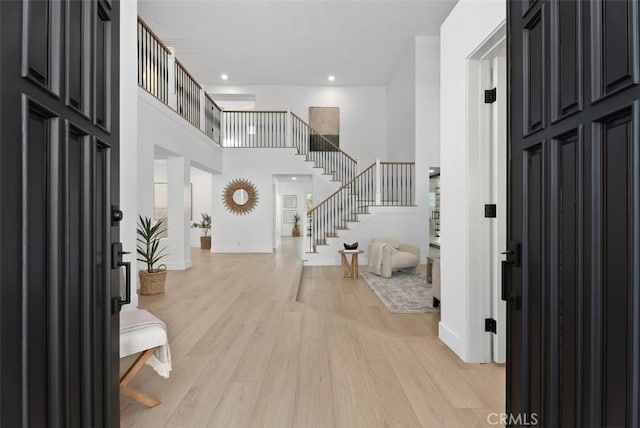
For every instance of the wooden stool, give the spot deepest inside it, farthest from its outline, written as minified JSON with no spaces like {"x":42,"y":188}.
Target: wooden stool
{"x":130,"y":373}
{"x":140,"y":331}
{"x":350,"y":270}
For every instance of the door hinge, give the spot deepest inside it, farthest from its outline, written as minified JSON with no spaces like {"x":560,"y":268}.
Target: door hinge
{"x":490,"y":96}
{"x":490,"y":211}
{"x":490,"y":325}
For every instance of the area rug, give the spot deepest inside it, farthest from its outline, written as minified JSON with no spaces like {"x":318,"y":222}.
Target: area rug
{"x":403,"y":293}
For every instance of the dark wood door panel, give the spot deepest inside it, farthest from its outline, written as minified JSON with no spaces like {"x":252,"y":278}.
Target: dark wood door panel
{"x":573,"y":351}
{"x":58,"y":180}
{"x":613,"y":268}
{"x":614,"y":43}
{"x":533,"y":284}
{"x":533,"y":76}
{"x":566,"y":285}
{"x":78,"y":55}
{"x":566,"y":58}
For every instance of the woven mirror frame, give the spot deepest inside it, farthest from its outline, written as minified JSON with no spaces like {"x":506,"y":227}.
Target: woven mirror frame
{"x":243,"y":203}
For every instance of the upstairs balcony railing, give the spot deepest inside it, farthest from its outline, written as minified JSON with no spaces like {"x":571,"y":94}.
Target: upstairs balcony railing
{"x":280,"y":129}
{"x":153,"y":63}
{"x":167,"y":79}
{"x":188,"y":94}
{"x":255,"y":128}
{"x":164,"y":77}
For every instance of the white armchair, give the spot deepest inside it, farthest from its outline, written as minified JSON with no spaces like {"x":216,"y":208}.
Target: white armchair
{"x":388,"y":255}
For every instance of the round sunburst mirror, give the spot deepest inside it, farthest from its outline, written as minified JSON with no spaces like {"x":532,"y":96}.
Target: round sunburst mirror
{"x":240,"y":196}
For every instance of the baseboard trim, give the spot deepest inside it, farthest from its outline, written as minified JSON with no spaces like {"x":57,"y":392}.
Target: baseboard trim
{"x":240,"y":250}
{"x":451,"y":339}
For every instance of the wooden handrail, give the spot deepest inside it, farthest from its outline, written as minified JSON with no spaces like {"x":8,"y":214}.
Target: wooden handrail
{"x":179,"y":64}
{"x":255,"y":111}
{"x":323,"y":137}
{"x":342,"y":188}
{"x":212,"y":101}
{"x":154,"y":35}
{"x":397,"y":163}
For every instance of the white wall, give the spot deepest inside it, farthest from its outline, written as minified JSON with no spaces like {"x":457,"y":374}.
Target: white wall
{"x":427,"y":102}
{"x":253,"y":232}
{"x":398,"y":222}
{"x":161,"y":131}
{"x":363,"y":109}
{"x":469,"y":24}
{"x":128,"y":138}
{"x":202,"y":201}
{"x":401,"y":113}
{"x":427,"y":126}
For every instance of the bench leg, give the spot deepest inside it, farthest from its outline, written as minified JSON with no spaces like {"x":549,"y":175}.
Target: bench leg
{"x":130,"y":373}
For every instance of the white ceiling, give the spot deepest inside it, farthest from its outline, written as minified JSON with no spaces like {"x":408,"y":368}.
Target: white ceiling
{"x":294,"y":42}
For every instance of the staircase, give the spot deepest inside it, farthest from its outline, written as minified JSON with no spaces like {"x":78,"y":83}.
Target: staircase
{"x":382,"y":184}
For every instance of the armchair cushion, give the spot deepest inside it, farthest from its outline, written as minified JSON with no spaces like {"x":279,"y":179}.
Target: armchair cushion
{"x":387,"y":255}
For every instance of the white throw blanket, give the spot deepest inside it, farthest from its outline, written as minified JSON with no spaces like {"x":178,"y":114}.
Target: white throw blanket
{"x":133,"y":325}
{"x":375,"y":257}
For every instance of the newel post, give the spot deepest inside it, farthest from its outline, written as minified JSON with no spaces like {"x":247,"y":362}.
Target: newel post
{"x":378,"y":183}
{"x":171,"y":76}
{"x":289,"y":124}
{"x":203,"y":109}
{"x":223,"y":127}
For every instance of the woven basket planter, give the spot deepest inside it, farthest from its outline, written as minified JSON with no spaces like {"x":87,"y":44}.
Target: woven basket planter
{"x":153,"y":282}
{"x":205,"y":242}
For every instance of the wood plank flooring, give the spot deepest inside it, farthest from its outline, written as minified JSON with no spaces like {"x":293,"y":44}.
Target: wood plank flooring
{"x":246,"y":353}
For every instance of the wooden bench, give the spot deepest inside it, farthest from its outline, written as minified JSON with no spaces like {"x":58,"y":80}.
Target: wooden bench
{"x":140,"y":331}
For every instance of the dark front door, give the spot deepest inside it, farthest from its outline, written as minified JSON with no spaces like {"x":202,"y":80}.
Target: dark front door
{"x":58,"y":182}
{"x":572,"y":279}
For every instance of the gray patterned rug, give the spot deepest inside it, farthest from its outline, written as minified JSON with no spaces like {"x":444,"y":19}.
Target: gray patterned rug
{"x":403,"y":293}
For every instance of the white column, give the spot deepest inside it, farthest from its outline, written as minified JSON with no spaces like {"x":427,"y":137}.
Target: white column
{"x":128,"y":138}
{"x":171,"y":76}
{"x":203,"y":109}
{"x":378,"y":183}
{"x":179,"y":215}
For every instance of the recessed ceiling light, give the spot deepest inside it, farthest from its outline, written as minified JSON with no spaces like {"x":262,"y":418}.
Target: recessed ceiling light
{"x":332,"y":78}
{"x":294,"y":178}
{"x":224,"y":76}
{"x":430,"y":170}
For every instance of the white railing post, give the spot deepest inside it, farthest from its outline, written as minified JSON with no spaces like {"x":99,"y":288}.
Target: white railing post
{"x":223,"y":127}
{"x":171,"y":76}
{"x":203,"y":110}
{"x":289,"y":140}
{"x":357,"y":167}
{"x":378,"y":183}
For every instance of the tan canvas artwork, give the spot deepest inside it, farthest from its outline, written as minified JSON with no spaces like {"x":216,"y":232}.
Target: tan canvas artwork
{"x":326,"y":120}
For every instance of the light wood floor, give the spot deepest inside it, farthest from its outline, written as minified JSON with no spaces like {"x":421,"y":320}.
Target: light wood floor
{"x":245,"y":353}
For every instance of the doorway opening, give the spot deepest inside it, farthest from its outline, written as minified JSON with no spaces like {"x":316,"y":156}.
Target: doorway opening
{"x":487,"y":163}
{"x":291,"y":194}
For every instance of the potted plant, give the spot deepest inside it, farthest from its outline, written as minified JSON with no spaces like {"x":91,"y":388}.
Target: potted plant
{"x":152,"y":279}
{"x":296,"y":225}
{"x":205,"y":226}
